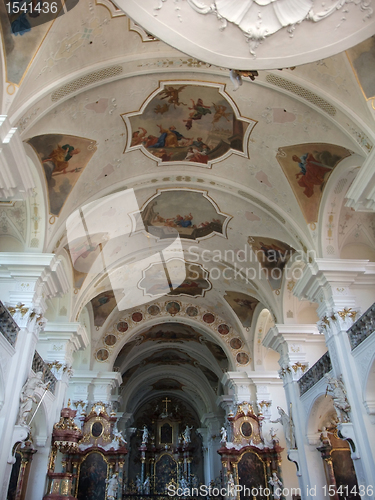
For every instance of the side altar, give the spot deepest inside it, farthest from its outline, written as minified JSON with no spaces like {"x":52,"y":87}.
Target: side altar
{"x":90,"y":460}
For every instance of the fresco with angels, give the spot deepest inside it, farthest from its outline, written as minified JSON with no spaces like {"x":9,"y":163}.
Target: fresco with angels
{"x":188,"y":123}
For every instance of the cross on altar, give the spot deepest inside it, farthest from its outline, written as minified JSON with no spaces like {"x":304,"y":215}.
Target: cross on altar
{"x":166,"y":401}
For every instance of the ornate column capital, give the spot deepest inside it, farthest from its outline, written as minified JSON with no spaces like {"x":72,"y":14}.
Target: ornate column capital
{"x":60,"y":340}
{"x":329,"y":282}
{"x":32,"y":284}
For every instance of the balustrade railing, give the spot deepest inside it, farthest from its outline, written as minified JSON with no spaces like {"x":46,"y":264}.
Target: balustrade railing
{"x":315,"y":373}
{"x":40,"y":366}
{"x":362,"y":328}
{"x":8,"y":327}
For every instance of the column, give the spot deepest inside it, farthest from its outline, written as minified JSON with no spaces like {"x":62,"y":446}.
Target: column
{"x":300,"y":452}
{"x":26,"y":283}
{"x":340,"y":288}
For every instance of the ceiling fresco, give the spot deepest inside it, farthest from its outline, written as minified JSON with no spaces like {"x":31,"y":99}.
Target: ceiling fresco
{"x":188,"y":123}
{"x":107,"y":111}
{"x":307,"y":168}
{"x":200,"y":216}
{"x":170,"y":332}
{"x":102,"y":306}
{"x":273,"y":255}
{"x":243,"y":305}
{"x":167,"y":384}
{"x":195,"y":283}
{"x":63,"y":157}
{"x":23,"y":33}
{"x":362,"y":59}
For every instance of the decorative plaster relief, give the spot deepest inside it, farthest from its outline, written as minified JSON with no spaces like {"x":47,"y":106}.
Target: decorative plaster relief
{"x":259,"y":19}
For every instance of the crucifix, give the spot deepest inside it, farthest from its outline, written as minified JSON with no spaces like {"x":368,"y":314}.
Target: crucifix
{"x":166,"y":401}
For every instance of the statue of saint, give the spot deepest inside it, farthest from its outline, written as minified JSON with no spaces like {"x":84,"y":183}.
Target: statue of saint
{"x":145,"y":435}
{"x":288,"y":427}
{"x":112,"y":487}
{"x":277,"y":486}
{"x":340,"y":401}
{"x":28,"y":396}
{"x":147,"y":486}
{"x":186,"y":434}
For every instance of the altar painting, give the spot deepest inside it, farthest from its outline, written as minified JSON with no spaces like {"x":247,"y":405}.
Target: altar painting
{"x":307,"y":168}
{"x":190,"y":123}
{"x":92,"y":476}
{"x":252,"y":474}
{"x":166,"y":471}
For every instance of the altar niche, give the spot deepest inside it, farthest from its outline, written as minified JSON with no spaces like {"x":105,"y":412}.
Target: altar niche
{"x":166,"y":448}
{"x":338,"y":465}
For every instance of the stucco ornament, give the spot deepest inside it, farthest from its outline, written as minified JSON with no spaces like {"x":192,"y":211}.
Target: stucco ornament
{"x":258,"y":19}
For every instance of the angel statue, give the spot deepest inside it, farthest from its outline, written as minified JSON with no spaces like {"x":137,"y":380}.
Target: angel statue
{"x":224,"y":435}
{"x":288,"y":427}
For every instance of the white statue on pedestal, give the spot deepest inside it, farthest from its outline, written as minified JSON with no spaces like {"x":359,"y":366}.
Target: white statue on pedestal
{"x":277,"y":486}
{"x":186,"y":434}
{"x":145,"y":435}
{"x":231,"y":491}
{"x":28,"y":396}
{"x":112,"y":487}
{"x":147,"y":486}
{"x":224,"y":435}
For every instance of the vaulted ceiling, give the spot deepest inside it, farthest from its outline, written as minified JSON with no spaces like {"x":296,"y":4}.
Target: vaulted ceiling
{"x":256,"y":171}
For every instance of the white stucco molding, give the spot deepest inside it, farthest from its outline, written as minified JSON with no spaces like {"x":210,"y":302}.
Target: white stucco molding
{"x":16,"y":180}
{"x":328,"y":282}
{"x":33,"y":278}
{"x":361,"y":194}
{"x":292,"y":33}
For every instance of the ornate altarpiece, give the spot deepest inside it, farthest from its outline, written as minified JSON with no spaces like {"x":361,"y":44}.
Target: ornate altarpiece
{"x":91,"y":456}
{"x":246,"y":456}
{"x":165,"y":457}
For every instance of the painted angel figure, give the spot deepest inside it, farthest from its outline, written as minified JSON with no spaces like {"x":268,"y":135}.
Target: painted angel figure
{"x":28,"y":396}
